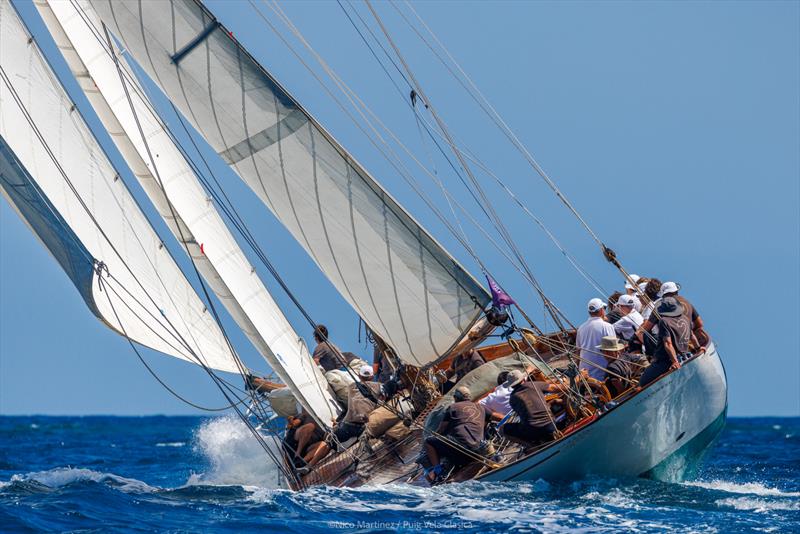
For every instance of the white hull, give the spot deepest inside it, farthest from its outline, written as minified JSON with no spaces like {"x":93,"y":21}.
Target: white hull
{"x":662,"y":430}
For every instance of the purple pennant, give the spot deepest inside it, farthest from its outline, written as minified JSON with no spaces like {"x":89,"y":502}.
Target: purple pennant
{"x":499,"y":297}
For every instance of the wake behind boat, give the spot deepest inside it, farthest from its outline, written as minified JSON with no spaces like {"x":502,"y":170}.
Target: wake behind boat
{"x":642,"y":394}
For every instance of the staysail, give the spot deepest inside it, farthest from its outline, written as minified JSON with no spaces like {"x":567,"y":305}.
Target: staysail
{"x":183,"y":203}
{"x":61,"y":183}
{"x":404,"y":285}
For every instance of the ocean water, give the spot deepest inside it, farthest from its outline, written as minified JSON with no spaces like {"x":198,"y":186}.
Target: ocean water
{"x":189,"y":474}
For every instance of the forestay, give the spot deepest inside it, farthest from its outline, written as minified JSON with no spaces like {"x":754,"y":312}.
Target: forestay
{"x":66,"y":190}
{"x":405,"y":286}
{"x":182,"y":201}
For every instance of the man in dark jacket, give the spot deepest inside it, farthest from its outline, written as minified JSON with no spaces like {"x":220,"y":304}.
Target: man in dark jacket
{"x":460,"y":432}
{"x":674,"y":332}
{"x":536,"y":424}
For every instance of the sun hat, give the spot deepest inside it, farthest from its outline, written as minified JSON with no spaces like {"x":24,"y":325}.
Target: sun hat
{"x":610,"y":343}
{"x":668,"y":287}
{"x":670,"y":307}
{"x":514,"y":377}
{"x":596,"y":305}
{"x":365,"y":371}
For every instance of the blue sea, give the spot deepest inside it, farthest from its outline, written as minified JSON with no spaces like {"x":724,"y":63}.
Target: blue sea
{"x":190,"y":474}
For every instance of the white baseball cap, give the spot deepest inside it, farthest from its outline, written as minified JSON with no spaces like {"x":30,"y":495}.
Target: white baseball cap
{"x":626,"y":300}
{"x":365,"y":371}
{"x":642,"y":286}
{"x":635,"y":278}
{"x":596,"y":305}
{"x":668,"y":287}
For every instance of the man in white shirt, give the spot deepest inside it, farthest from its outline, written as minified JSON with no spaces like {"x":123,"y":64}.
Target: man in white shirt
{"x":497,"y":401}
{"x":590,"y":334}
{"x":630,"y":289}
{"x":631,"y":319}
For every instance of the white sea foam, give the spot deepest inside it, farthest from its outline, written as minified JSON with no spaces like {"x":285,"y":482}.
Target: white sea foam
{"x":171,"y":444}
{"x":746,"y":488}
{"x":234,"y":456}
{"x":759,"y":505}
{"x":64,"y":476}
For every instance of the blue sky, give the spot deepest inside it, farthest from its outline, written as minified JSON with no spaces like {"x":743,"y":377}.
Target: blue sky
{"x":673,"y":127}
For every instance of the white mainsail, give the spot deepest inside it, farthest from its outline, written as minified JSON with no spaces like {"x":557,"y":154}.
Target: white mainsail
{"x":60,"y":181}
{"x":404,"y":285}
{"x":183,"y":203}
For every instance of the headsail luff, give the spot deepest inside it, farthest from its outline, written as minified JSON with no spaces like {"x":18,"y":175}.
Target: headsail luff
{"x":66,"y":190}
{"x":404,"y":285}
{"x":183,"y":203}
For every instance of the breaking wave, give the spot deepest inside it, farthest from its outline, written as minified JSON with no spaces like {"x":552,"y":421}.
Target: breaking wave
{"x":233,"y":455}
{"x":748,"y":488}
{"x":66,"y":476}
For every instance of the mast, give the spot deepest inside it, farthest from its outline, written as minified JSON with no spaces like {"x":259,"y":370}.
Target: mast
{"x":405,"y":286}
{"x":59,"y":180}
{"x":174,"y":188}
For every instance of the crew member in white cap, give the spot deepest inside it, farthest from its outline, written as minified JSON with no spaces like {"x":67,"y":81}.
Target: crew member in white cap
{"x":363,"y":397}
{"x":589,"y":336}
{"x":630,"y":289}
{"x":631,"y":319}
{"x":670,"y":289}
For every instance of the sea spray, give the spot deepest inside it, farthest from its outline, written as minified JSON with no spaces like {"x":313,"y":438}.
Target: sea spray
{"x":234,"y":456}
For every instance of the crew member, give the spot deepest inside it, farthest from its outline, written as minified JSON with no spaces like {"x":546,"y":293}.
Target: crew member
{"x":674,"y":332}
{"x":631,"y":319}
{"x":536,"y":424}
{"x":588,"y":337}
{"x":326,"y":354}
{"x":622,"y":367}
{"x":497,"y":402}
{"x":462,"y":432}
{"x":304,"y":442}
{"x":461,"y":365}
{"x":363,"y":397}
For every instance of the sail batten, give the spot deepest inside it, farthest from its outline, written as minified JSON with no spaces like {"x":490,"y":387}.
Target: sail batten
{"x":404,"y":285}
{"x":170,"y":182}
{"x":61,"y":183}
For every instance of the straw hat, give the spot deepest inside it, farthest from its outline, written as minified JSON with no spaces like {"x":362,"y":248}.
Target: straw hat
{"x":610,"y":343}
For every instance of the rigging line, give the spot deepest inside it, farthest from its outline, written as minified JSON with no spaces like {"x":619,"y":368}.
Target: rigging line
{"x":404,"y":171}
{"x":209,"y":304}
{"x":388,"y":151}
{"x":411,"y":182}
{"x":125,"y":75}
{"x":592,"y":282}
{"x":493,"y":217}
{"x":439,"y":182}
{"x":147,"y":366}
{"x":498,"y":120}
{"x":28,"y":117}
{"x":13,"y":91}
{"x":72,"y":187}
{"x":502,"y":230}
{"x":61,"y":171}
{"x":366,"y":26}
{"x":85,"y":131}
{"x":212,"y":307}
{"x":428,"y":129}
{"x":609,"y":254}
{"x":278,"y":11}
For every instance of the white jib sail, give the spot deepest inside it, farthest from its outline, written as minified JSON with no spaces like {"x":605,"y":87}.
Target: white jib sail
{"x":183,"y":202}
{"x":404,"y":285}
{"x":59,"y":179}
